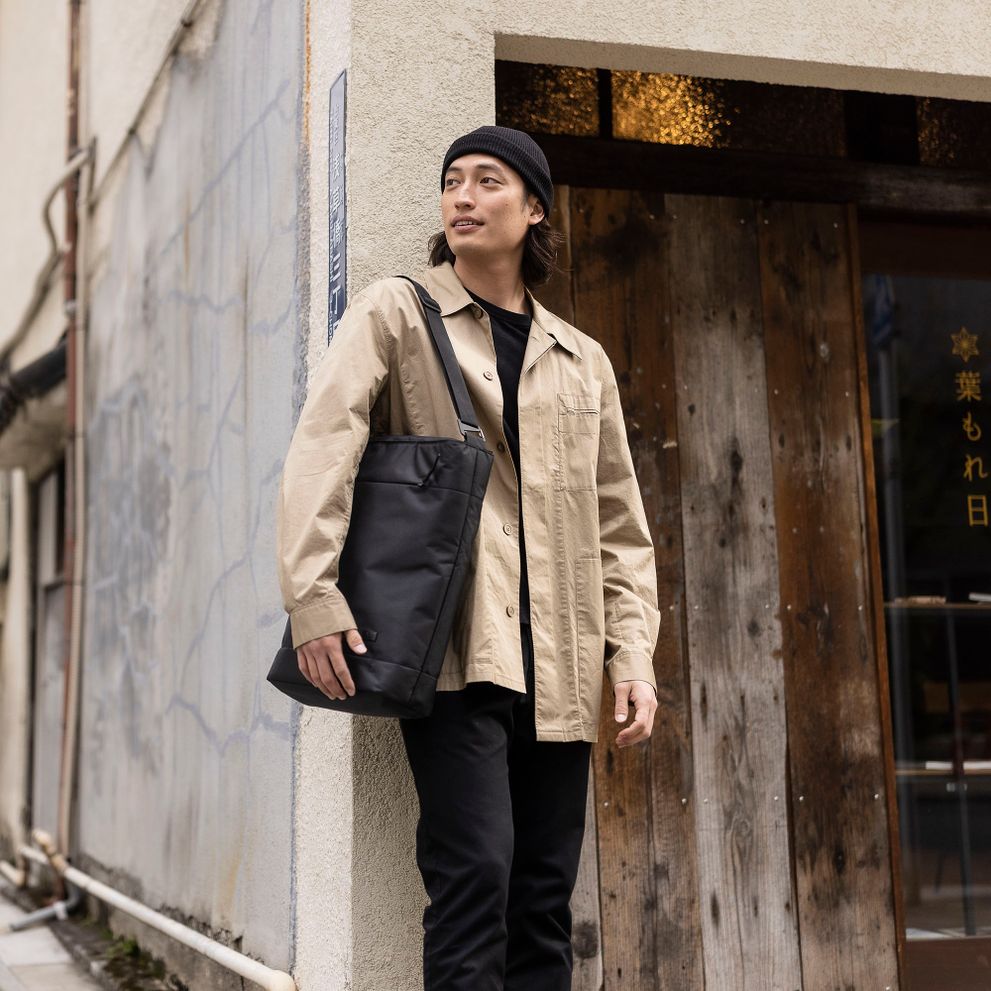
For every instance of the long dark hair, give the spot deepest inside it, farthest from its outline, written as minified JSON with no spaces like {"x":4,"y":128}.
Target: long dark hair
{"x":539,"y":252}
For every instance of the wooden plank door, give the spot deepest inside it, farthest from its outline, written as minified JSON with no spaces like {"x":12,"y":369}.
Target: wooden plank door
{"x":747,"y":845}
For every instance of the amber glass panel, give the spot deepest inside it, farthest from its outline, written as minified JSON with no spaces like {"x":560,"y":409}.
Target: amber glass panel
{"x":727,"y":113}
{"x":954,"y":133}
{"x":549,"y":99}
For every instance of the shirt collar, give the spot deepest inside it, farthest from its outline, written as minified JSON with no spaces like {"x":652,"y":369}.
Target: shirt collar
{"x":446,"y":287}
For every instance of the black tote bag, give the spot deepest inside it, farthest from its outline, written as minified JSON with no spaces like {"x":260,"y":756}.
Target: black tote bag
{"x":404,"y":563}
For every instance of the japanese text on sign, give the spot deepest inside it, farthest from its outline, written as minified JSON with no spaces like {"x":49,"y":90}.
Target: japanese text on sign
{"x":337,"y":199}
{"x":968,"y":384}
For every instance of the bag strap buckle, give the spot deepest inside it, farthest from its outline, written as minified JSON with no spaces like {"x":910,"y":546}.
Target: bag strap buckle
{"x":470,"y":428}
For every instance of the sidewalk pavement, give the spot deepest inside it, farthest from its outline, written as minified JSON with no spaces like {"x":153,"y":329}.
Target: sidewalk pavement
{"x":33,"y":959}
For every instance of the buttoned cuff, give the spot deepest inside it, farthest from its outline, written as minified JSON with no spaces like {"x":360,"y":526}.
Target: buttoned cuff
{"x":331,"y":614}
{"x":631,"y":665}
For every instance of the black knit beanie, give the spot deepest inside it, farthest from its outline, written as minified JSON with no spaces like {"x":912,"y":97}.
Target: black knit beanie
{"x":515,"y":148}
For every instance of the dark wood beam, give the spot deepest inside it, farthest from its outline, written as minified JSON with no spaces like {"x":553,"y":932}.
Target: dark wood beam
{"x":880,"y":190}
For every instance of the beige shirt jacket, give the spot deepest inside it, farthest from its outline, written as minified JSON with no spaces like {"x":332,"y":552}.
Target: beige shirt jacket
{"x":589,"y":554}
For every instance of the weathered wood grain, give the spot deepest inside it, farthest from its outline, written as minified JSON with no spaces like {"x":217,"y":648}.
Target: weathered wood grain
{"x":586,"y":924}
{"x":749,"y":921}
{"x":646,"y":837}
{"x":622,"y":780}
{"x":749,"y":818}
{"x":839,"y":813}
{"x":676,"y":879}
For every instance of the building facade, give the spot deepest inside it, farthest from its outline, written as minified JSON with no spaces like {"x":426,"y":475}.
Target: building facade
{"x":798,"y":198}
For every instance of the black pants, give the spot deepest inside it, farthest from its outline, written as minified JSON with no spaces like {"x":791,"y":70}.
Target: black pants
{"x":502,"y":818}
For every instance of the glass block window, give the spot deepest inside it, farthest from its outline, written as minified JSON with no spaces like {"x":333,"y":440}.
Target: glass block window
{"x":674,"y":109}
{"x":954,"y":133}
{"x":725,"y":113}
{"x":547,"y":99}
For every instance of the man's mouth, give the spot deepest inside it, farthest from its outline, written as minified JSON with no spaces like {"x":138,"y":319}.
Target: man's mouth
{"x":467,"y":224}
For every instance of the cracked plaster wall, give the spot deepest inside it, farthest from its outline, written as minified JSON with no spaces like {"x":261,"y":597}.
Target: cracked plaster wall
{"x":195,"y":354}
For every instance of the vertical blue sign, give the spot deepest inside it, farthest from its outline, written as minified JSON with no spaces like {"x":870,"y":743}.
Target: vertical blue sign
{"x":337,"y":298}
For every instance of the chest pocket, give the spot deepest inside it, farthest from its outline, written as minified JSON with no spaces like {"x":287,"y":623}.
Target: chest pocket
{"x":576,"y":441}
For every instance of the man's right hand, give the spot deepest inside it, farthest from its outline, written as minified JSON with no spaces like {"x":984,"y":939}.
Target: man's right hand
{"x":323,"y":665}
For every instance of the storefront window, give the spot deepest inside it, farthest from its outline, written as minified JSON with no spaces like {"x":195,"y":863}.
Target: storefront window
{"x":929,"y":366}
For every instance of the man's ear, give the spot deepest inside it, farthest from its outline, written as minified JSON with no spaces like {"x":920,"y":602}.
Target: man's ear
{"x":536,"y":211}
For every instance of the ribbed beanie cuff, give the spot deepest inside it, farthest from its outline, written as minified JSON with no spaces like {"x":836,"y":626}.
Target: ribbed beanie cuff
{"x":514,"y":147}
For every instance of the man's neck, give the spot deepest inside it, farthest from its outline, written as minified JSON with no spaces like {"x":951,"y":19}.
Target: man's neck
{"x":499,"y":284}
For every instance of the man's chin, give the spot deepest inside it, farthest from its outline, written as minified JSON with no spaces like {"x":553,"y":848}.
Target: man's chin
{"x":471,"y":250}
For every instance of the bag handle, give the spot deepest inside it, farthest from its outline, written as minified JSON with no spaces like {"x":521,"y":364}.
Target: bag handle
{"x":467,"y":420}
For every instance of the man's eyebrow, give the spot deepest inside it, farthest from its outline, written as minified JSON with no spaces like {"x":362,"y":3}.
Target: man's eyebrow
{"x":480,"y":166}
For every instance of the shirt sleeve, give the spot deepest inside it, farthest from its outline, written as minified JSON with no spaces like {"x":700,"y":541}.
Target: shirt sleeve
{"x":318,"y":475}
{"x":629,"y":574}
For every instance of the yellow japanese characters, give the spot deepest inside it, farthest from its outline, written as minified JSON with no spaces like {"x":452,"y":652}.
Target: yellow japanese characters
{"x":969,"y":390}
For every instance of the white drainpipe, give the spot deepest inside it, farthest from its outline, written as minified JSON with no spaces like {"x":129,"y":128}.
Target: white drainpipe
{"x":247,"y":967}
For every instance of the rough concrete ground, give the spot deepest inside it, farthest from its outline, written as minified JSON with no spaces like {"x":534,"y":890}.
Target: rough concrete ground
{"x":34,"y":959}
{"x":73,"y":954}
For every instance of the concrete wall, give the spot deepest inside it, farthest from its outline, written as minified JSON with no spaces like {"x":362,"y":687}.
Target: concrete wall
{"x":891,"y":46}
{"x":32,"y":134}
{"x":126,"y":45}
{"x":323,"y":820}
{"x":15,"y":650}
{"x":422,"y":74}
{"x":186,"y":753}
{"x":48,"y":614}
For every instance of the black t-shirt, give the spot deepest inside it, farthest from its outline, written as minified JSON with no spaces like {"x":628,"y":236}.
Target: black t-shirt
{"x":510,"y":332}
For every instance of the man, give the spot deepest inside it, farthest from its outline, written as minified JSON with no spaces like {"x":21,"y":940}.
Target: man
{"x":501,"y":764}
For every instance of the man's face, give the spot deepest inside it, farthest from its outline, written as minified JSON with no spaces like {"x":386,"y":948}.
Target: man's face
{"x":491,"y":193}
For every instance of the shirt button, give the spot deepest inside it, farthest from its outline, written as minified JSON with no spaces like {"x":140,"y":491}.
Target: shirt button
{"x":501,"y":446}
{"x":510,"y":610}
{"x":477,"y":310}
{"x":507,"y":527}
{"x":488,"y":375}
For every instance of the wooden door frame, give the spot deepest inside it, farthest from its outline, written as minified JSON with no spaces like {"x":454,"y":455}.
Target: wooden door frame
{"x":870,"y":192}
{"x":876,"y":585}
{"x":916,"y":192}
{"x":953,"y":250}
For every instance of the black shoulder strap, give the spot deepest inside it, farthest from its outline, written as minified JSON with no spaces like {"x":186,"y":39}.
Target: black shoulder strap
{"x":467,"y":420}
